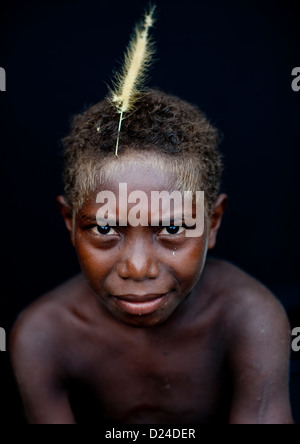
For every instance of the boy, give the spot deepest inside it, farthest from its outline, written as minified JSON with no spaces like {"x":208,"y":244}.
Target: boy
{"x":151,"y":331}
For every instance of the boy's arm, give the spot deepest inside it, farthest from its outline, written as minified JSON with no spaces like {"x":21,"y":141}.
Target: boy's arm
{"x":36,"y":356}
{"x":259,"y":360}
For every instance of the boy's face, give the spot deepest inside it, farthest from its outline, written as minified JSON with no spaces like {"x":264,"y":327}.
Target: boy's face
{"x":140,"y":273}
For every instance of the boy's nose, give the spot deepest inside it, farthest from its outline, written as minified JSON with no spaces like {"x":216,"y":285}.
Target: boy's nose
{"x":138,"y":263}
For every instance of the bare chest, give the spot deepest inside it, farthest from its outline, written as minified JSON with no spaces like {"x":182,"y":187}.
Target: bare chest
{"x":164,"y":382}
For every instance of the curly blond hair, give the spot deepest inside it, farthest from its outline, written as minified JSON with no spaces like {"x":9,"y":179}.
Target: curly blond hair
{"x":176,"y":132}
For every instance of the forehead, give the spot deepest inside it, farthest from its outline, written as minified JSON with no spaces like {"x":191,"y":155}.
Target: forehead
{"x":139,"y":174}
{"x":144,"y":171}
{"x":138,"y":192}
{"x":144,"y":186}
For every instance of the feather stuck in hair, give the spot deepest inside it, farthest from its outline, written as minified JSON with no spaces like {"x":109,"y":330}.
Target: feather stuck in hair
{"x":128,"y":85}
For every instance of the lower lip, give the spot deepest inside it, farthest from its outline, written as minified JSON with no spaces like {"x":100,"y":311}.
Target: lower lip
{"x":141,"y":308}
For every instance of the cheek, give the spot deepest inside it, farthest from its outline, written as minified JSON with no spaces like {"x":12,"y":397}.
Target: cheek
{"x":189,"y":262}
{"x":95,"y":264}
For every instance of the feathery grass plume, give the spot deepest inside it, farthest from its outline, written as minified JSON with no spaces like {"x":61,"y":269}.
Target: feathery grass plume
{"x":128,"y":84}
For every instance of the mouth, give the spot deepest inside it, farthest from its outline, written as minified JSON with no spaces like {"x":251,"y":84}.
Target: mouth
{"x":140,"y":305}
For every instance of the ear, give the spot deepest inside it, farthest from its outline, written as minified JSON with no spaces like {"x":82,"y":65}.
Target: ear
{"x":67,"y":215}
{"x":216,"y":219}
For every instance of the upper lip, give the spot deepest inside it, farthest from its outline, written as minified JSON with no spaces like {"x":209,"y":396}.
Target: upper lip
{"x":139,"y":297}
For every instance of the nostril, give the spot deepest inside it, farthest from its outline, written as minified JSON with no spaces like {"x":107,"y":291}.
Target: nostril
{"x":138,"y":268}
{"x":122,"y":270}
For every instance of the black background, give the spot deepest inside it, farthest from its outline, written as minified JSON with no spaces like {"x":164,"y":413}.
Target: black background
{"x":233,"y":59}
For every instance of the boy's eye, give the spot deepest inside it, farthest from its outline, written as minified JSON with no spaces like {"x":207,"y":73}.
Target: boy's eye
{"x":172,"y":230}
{"x":105,"y":230}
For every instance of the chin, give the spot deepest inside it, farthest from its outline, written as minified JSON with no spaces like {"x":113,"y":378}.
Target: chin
{"x":147,"y":321}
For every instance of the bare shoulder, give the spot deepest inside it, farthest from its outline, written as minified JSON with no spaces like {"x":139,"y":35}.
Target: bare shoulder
{"x":242,"y":297}
{"x":258,"y":344}
{"x":41,"y":355}
{"x":43,"y":325}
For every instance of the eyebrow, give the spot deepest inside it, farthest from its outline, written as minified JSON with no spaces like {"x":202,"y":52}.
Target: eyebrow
{"x":91,"y":219}
{"x":174,"y":219}
{"x":87,"y":218}
{"x":164,"y":221}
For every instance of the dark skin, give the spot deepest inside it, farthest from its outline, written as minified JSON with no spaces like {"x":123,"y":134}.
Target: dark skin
{"x":214,"y":350}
